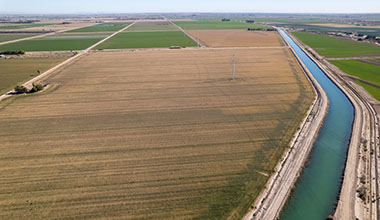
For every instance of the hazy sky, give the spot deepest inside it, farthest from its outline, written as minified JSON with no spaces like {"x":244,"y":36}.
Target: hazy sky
{"x":130,"y":6}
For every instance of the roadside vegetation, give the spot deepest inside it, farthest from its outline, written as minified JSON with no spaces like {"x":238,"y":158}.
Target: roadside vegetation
{"x":20,"y":89}
{"x":337,"y":47}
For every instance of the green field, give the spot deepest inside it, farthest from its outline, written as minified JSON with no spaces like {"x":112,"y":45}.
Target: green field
{"x":8,"y":37}
{"x":16,"y":71}
{"x":50,"y":45}
{"x":89,"y":35}
{"x":58,"y":42}
{"x":365,"y":71}
{"x":375,"y":92}
{"x":337,"y":47}
{"x":104,"y":27}
{"x":148,"y":40}
{"x":152,"y":26}
{"x":216,"y":25}
{"x":22,"y":26}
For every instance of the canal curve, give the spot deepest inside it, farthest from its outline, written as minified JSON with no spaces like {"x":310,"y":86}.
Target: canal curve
{"x":316,"y":191}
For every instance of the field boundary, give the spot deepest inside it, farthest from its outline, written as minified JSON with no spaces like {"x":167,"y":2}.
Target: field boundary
{"x":269,"y":203}
{"x":68,"y":61}
{"x":202,"y":45}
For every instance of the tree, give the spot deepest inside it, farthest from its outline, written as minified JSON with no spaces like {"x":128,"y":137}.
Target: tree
{"x":20,"y":89}
{"x":36,"y":88}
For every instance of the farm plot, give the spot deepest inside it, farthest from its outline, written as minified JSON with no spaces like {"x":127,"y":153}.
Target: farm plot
{"x":161,"y":135}
{"x":367,"y":72}
{"x":9,"y":37}
{"x":104,"y":27}
{"x":132,"y":40}
{"x":152,"y":26}
{"x":237,"y":38}
{"x":337,"y":47}
{"x":216,"y":25}
{"x":58,"y":42}
{"x":18,"y":70}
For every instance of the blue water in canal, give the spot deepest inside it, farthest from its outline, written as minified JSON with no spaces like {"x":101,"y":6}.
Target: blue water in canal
{"x":316,"y":191}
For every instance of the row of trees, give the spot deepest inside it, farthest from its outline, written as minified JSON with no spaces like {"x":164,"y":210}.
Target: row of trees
{"x":12,"y":52}
{"x":22,"y":89}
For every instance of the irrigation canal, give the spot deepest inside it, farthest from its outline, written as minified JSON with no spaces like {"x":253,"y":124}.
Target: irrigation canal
{"x":316,"y":190}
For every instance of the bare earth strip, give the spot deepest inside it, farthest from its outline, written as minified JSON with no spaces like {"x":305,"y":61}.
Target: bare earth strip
{"x":173,"y":139}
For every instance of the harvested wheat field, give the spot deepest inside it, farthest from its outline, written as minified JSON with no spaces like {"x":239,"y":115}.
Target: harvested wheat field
{"x":150,"y":135}
{"x":237,"y":38}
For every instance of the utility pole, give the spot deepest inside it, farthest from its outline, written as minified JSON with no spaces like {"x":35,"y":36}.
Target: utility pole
{"x":233,"y":67}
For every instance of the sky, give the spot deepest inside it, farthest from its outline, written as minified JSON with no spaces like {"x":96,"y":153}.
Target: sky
{"x":140,"y":6}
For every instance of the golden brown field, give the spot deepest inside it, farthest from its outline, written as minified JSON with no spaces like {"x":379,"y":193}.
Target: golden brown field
{"x":237,"y":38}
{"x":150,"y":135}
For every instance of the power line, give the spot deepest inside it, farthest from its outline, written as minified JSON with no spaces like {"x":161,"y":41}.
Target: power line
{"x":233,"y":67}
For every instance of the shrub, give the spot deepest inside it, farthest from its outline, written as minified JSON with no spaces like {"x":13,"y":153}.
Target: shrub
{"x":20,"y":89}
{"x":361,"y":192}
{"x":36,"y":88}
{"x":14,"y":52}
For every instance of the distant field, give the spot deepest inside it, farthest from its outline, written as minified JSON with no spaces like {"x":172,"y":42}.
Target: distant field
{"x":307,"y":19}
{"x":365,"y":71}
{"x":22,"y":26}
{"x":152,"y":26}
{"x":215,"y":25}
{"x":375,"y":92}
{"x":59,"y":42}
{"x":237,"y":38}
{"x":337,"y":47}
{"x":148,"y":40}
{"x":325,"y":29}
{"x":9,"y":37}
{"x":103,"y":27}
{"x":151,"y":135}
{"x":16,"y":71}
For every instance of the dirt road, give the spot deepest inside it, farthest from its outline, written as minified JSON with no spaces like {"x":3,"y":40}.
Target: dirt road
{"x":187,"y":34}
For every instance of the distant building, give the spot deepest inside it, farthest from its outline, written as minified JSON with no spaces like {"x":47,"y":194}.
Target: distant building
{"x":226,"y":19}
